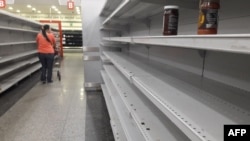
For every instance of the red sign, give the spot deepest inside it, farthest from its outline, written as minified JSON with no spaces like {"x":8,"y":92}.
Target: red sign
{"x":70,"y":5}
{"x":2,"y":3}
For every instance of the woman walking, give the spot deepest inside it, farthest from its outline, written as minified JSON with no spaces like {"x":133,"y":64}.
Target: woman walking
{"x":46,"y":43}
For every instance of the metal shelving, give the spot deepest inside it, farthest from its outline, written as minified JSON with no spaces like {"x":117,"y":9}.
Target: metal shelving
{"x":114,"y":121}
{"x":17,"y":43}
{"x":128,"y":8}
{"x":190,"y":107}
{"x":115,"y":45}
{"x":235,"y":43}
{"x":142,"y":111}
{"x":130,"y":130}
{"x":197,"y":103}
{"x":15,"y":78}
{"x":18,"y":65}
{"x":138,"y":9}
{"x":111,"y":29}
{"x":105,"y":59}
{"x":19,"y":21}
{"x":18,"y":53}
{"x":5,"y":59}
{"x":17,"y":29}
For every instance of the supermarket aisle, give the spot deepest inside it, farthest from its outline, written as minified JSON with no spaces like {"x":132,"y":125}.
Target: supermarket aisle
{"x":50,"y":112}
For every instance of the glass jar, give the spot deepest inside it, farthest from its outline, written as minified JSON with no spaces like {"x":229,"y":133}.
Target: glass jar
{"x":170,"y":20}
{"x":208,"y":16}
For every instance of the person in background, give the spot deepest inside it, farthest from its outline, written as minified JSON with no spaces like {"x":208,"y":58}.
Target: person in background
{"x":46,"y":43}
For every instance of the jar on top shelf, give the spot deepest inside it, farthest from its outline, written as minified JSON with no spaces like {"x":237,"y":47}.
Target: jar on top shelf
{"x":170,"y":20}
{"x":208,"y":16}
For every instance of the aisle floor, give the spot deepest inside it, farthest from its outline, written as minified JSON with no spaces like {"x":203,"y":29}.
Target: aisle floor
{"x":50,"y":112}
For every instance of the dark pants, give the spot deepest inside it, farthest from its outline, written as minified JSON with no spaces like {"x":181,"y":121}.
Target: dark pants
{"x":46,"y":60}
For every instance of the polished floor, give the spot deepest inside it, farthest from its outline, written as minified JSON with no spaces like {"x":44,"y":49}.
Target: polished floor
{"x":57,"y":111}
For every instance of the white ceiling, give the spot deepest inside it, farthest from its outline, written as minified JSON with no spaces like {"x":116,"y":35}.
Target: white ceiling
{"x":43,"y":2}
{"x":43,"y":5}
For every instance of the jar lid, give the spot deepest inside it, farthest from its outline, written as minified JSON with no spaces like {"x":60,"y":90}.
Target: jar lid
{"x":171,"y":7}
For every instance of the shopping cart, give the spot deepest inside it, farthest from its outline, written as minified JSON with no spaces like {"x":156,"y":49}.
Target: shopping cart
{"x":57,"y":64}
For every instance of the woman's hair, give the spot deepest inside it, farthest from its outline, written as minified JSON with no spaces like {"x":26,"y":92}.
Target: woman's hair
{"x":44,"y":29}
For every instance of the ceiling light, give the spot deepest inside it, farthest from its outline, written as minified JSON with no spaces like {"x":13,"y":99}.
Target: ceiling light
{"x":53,"y":7}
{"x":10,"y":8}
{"x":29,"y":6}
{"x":34,"y":9}
{"x":56,"y":10}
{"x":39,"y":11}
{"x":59,"y":12}
{"x":18,"y":11}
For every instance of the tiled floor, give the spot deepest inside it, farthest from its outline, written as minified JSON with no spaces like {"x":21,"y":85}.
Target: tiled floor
{"x":97,"y":120}
{"x":50,"y":112}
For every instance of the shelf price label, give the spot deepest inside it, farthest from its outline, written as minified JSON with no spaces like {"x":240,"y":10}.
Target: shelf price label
{"x":2,"y":3}
{"x":70,"y":5}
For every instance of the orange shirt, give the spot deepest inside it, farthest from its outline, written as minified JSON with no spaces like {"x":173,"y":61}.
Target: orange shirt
{"x":43,"y":45}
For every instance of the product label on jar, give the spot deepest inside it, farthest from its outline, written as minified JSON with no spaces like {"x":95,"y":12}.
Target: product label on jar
{"x":173,"y":23}
{"x":208,"y":18}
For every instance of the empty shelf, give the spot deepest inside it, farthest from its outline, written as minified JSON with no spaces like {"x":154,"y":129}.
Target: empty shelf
{"x":195,"y":110}
{"x":15,"y":18}
{"x":18,"y":65}
{"x":17,"y":43}
{"x":235,"y":43}
{"x":5,"y":59}
{"x":105,"y":59}
{"x":129,"y":127}
{"x":18,"y":29}
{"x":114,"y":120}
{"x":14,"y":79}
{"x":153,"y":124}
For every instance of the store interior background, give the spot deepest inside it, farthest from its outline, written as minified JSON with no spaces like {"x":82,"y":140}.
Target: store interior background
{"x":228,"y":72}
{"x":48,"y":10}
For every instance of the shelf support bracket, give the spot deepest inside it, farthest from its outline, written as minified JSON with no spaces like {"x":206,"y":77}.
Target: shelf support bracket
{"x":203,"y":54}
{"x":148,"y":55}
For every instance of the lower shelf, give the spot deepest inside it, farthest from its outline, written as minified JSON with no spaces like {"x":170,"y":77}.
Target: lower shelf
{"x":5,"y":59}
{"x":105,"y":59}
{"x":18,"y":65}
{"x":114,"y":121}
{"x":130,"y":130}
{"x":14,"y":79}
{"x":200,"y":109}
{"x":151,"y":122}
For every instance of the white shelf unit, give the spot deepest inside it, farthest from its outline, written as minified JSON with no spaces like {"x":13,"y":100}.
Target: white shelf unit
{"x":235,"y":43}
{"x":114,"y":121}
{"x":17,"y":43}
{"x":128,"y":126}
{"x":120,"y":13}
{"x":16,"y":66}
{"x":105,"y":59}
{"x":199,"y":94}
{"x":191,"y":107}
{"x":17,"y":29}
{"x":18,"y":49}
{"x":141,"y":111}
{"x":7,"y":58}
{"x":15,"y":78}
{"x":136,"y":11}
